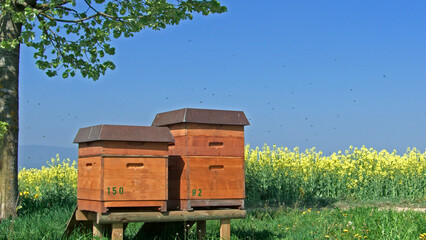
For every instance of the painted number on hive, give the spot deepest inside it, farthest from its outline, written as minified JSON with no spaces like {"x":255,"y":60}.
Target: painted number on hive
{"x":113,"y":190}
{"x":194,"y":192}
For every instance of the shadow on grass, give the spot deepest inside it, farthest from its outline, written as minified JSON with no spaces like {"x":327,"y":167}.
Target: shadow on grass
{"x":162,"y":231}
{"x":254,"y":234}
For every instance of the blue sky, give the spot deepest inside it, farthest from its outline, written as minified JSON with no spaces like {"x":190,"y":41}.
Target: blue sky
{"x":324,"y":74}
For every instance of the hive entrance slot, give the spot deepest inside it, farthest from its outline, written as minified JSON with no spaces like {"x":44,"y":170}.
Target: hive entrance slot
{"x":134,"y":165}
{"x":89,"y":165}
{"x":216,"y":144}
{"x":216,"y":168}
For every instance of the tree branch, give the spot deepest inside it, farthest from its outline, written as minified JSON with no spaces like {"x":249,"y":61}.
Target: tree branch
{"x":82,"y":19}
{"x":50,"y":39}
{"x":68,"y":9}
{"x":90,"y":6}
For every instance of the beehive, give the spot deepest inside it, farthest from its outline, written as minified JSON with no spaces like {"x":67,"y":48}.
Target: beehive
{"x":206,"y":162}
{"x":122,"y":166}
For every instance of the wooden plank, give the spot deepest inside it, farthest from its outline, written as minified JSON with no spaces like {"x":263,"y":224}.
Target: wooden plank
{"x":225,"y":229}
{"x":208,"y":146}
{"x":172,"y":216}
{"x":204,"y":174}
{"x":134,"y":148}
{"x":117,"y":231}
{"x":98,"y":230}
{"x":85,"y":215}
{"x":215,"y":130}
{"x":89,"y":149}
{"x":179,"y":147}
{"x":225,"y":184}
{"x":121,"y":148}
{"x":112,"y":181}
{"x":193,"y":139}
{"x":128,"y":203}
{"x":215,"y":146}
{"x":74,"y":222}
{"x":201,"y":230}
{"x":216,"y":178}
{"x":89,"y":183}
{"x":89,"y":205}
{"x":135,"y":179}
{"x":197,"y":129}
{"x":71,"y":223}
{"x":239,"y":203}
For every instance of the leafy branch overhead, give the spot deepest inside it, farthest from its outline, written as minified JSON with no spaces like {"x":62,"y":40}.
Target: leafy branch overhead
{"x":71,"y":35}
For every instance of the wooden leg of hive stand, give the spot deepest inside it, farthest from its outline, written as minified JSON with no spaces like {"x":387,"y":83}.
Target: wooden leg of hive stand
{"x":201,"y":230}
{"x":225,"y":229}
{"x":117,"y":231}
{"x":163,"y":208}
{"x":97,"y":230}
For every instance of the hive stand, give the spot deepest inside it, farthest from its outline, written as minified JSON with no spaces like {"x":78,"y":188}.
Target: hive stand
{"x":116,"y":222}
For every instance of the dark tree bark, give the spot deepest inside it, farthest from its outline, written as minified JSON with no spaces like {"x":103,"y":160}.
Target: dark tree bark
{"x":9,"y":105}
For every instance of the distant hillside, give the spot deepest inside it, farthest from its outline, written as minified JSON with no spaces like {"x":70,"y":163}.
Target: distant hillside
{"x":35,"y":156}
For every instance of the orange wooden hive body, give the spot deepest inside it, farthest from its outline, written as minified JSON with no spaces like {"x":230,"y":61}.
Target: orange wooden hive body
{"x":206,"y":162}
{"x":122,"y":166}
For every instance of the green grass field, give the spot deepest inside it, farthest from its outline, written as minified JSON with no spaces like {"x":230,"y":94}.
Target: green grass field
{"x":266,"y":223}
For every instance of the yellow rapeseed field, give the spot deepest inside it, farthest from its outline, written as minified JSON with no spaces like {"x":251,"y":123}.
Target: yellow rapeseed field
{"x":277,"y":175}
{"x":281,"y":175}
{"x":54,"y":184}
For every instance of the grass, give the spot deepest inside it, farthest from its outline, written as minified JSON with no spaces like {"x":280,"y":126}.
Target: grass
{"x":46,"y":223}
{"x":361,"y":222}
{"x":384,"y":203}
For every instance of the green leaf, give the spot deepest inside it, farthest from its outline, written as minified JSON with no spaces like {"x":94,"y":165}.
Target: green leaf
{"x":117,"y":34}
{"x":51,"y":73}
{"x":4,"y":126}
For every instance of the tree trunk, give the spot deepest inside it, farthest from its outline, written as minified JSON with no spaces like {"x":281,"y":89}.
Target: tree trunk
{"x":9,"y":69}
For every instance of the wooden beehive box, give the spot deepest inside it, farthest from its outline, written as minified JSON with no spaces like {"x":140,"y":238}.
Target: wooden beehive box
{"x":122,"y":166}
{"x":206,"y":162}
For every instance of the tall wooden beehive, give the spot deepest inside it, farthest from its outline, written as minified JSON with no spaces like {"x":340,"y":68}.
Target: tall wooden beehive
{"x":206,"y":162}
{"x":122,"y":166}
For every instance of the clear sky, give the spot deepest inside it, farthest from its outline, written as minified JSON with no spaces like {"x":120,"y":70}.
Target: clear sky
{"x":324,"y":74}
